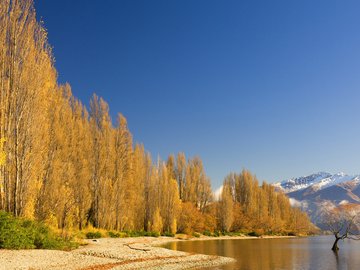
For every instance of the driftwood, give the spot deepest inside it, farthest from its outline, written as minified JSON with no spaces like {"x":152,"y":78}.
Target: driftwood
{"x":140,"y":249}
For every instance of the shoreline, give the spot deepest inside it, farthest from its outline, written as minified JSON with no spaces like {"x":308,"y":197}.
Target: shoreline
{"x":119,"y":254}
{"x":210,"y":238}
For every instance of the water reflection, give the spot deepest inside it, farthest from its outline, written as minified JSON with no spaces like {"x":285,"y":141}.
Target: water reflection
{"x":299,"y":254}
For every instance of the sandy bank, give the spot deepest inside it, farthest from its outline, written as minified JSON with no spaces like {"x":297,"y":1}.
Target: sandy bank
{"x":113,"y":253}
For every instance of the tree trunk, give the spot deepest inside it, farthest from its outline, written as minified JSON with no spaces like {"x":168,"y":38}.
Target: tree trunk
{"x":335,"y":247}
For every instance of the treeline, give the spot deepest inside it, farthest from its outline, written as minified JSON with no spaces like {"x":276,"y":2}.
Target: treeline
{"x":246,"y":205}
{"x":71,"y":167}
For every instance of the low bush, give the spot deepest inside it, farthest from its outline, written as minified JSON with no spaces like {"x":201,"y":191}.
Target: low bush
{"x":216,"y":234}
{"x":93,"y":235}
{"x":141,"y":234}
{"x":17,"y":233}
{"x":237,"y":234}
{"x":135,"y":233}
{"x":207,"y":233}
{"x":153,"y":234}
{"x":254,"y":233}
{"x":168,"y":234}
{"x":114,"y":234}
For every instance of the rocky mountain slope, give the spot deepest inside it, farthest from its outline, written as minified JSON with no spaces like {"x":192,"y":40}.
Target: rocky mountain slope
{"x":321,"y":191}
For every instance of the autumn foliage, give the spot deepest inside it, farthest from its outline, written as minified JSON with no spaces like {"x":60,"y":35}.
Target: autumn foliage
{"x":69,"y":166}
{"x":246,"y":205}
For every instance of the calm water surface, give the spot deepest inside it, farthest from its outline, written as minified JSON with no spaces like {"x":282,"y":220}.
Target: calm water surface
{"x":313,"y":253}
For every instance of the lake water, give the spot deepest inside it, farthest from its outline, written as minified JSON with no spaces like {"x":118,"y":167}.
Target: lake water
{"x":312,"y":253}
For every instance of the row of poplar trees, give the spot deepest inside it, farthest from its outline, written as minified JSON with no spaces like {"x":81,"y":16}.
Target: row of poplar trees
{"x":70,"y":167}
{"x":247,"y":205}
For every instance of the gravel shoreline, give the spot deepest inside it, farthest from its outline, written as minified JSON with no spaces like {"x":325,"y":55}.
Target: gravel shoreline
{"x":113,"y":253}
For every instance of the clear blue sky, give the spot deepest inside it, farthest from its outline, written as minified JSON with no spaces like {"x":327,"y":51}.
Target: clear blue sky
{"x":272,"y":86}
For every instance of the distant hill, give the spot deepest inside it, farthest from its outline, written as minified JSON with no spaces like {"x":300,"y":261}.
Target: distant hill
{"x":318,"y":192}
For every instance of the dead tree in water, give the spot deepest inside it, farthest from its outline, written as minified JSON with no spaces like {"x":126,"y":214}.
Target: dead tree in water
{"x":343,"y":223}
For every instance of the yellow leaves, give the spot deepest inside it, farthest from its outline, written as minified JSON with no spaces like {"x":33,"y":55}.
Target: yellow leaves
{"x":49,"y":85}
{"x":258,"y":208}
{"x":2,"y":152}
{"x":173,"y":227}
{"x":70,"y":167}
{"x":226,"y":211}
{"x":157,"y":223}
{"x":190,"y":219}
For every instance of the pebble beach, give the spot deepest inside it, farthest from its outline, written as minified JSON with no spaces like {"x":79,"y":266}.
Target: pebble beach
{"x":110,"y":253}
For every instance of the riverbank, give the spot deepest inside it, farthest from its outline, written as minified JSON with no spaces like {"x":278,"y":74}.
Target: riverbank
{"x":117,"y":254}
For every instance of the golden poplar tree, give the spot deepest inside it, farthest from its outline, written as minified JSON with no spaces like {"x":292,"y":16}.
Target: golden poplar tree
{"x":102,"y":167}
{"x":197,"y":187}
{"x":141,"y":171}
{"x":26,"y":77}
{"x":169,"y":199}
{"x":124,"y":191}
{"x":226,"y":208}
{"x":81,"y":149}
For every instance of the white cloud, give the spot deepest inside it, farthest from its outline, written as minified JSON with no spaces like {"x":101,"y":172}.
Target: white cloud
{"x":296,"y":203}
{"x":217,"y":193}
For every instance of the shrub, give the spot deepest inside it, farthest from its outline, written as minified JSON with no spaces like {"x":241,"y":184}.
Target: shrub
{"x":169,"y":234}
{"x":234,"y":234}
{"x":195,"y":234}
{"x":17,"y":233}
{"x":216,"y":234}
{"x":153,"y":234}
{"x":13,"y":235}
{"x":136,"y":233}
{"x":207,"y":233}
{"x":93,"y":235}
{"x":114,"y":234}
{"x":254,"y":233}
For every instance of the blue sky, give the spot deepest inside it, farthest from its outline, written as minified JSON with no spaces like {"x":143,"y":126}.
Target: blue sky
{"x":272,"y":86}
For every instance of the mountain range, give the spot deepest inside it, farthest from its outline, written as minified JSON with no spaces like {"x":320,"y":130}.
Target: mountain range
{"x":318,"y":192}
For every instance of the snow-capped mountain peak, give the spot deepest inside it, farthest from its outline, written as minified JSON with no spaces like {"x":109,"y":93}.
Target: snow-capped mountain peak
{"x":318,"y":181}
{"x":321,"y":191}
